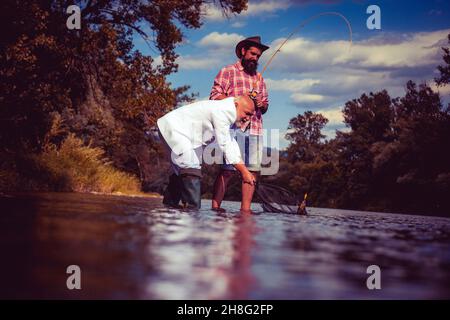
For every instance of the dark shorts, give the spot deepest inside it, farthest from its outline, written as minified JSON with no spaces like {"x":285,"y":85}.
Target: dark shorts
{"x":251,"y":147}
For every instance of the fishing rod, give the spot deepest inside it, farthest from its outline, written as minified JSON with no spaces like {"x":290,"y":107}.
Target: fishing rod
{"x":275,"y":205}
{"x":253,"y":93}
{"x":301,"y":25}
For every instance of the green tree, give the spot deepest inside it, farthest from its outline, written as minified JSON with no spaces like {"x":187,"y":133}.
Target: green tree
{"x":415,"y":164}
{"x":444,"y":70}
{"x":369,"y":118}
{"x":92,"y":81}
{"x":394,"y":157}
{"x":304,"y":132}
{"x":304,"y":165}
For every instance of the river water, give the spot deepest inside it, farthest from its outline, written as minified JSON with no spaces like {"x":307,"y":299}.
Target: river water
{"x":134,"y":248}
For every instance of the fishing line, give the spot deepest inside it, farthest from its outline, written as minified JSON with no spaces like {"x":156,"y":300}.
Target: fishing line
{"x":274,"y":198}
{"x":304,"y":23}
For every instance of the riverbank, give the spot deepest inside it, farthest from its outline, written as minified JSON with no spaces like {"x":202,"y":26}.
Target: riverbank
{"x":153,"y":195}
{"x":70,"y":167}
{"x":135,"y":195}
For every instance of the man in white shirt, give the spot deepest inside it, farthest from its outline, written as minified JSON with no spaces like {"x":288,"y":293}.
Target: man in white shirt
{"x":187,"y":129}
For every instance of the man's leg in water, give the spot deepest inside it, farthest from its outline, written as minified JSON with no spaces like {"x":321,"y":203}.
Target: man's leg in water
{"x":252,"y":156}
{"x":191,"y":188}
{"x":220,"y":187}
{"x":247,"y":194}
{"x":251,"y":151}
{"x":172,"y":194}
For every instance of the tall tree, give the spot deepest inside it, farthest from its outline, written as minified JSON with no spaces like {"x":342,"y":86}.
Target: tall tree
{"x":415,"y":163}
{"x":370,"y":118}
{"x":304,"y":132}
{"x":444,"y":70}
{"x":91,"y":81}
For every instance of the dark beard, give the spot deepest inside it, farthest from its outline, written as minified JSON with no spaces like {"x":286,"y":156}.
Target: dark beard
{"x":249,"y":66}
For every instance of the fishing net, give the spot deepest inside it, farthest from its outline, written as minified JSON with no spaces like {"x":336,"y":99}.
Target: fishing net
{"x":277,"y":199}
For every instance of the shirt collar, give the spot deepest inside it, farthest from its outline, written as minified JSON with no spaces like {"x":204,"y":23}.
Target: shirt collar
{"x":238,"y":65}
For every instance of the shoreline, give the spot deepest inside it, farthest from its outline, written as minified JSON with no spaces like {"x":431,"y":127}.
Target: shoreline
{"x":154,"y":195}
{"x":9,"y":194}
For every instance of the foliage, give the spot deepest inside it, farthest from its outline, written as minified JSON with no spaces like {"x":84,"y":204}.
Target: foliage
{"x":92,"y":82}
{"x":394,"y":158}
{"x":70,"y":167}
{"x":444,"y":70}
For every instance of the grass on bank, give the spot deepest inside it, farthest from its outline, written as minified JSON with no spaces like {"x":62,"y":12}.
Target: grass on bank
{"x":70,"y":167}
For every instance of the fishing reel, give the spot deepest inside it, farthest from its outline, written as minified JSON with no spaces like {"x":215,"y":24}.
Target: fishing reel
{"x":253,"y":94}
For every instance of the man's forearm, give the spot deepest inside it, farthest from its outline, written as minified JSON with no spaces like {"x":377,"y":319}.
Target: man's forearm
{"x":241,"y":167}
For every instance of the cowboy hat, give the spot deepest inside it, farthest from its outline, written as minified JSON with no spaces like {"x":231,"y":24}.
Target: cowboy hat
{"x":252,"y":42}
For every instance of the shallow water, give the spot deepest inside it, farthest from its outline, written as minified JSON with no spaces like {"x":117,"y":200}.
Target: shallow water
{"x":134,"y":248}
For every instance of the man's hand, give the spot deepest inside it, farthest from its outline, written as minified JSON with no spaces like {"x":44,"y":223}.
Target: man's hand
{"x":263,"y":107}
{"x":247,"y":176}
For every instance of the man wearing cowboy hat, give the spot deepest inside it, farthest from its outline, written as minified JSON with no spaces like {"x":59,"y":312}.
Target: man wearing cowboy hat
{"x":242,"y":78}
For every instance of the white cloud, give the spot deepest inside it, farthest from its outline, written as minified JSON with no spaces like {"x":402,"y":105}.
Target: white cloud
{"x":216,"y":40}
{"x":324,"y":74}
{"x":443,"y":90}
{"x":291,"y":85}
{"x":335,"y":86}
{"x":334,"y":116}
{"x":219,"y":51}
{"x":260,"y":7}
{"x":238,"y":24}
{"x":305,"y":97}
{"x":212,"y":13}
{"x":300,"y":54}
{"x":197,"y":63}
{"x":411,"y":51}
{"x":267,"y":7}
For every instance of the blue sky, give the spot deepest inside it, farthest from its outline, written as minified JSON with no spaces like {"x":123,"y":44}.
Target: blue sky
{"x":315,"y":70}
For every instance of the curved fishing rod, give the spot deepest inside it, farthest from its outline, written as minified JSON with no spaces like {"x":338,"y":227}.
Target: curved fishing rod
{"x":301,"y":25}
{"x":301,"y":209}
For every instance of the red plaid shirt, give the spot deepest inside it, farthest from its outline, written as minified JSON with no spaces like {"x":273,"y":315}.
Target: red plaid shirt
{"x":233,"y":81}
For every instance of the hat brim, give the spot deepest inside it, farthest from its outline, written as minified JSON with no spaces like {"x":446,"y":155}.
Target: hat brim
{"x":245,"y":42}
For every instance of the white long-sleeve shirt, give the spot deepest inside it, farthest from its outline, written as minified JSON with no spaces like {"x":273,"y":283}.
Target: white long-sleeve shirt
{"x":193,"y":125}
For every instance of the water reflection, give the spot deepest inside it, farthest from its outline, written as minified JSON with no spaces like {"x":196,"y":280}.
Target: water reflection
{"x":135,"y":248}
{"x":240,"y":278}
{"x":197,"y":262}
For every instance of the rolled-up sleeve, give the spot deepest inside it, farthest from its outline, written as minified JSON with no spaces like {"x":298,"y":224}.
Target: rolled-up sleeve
{"x":224,"y":139}
{"x":220,"y":85}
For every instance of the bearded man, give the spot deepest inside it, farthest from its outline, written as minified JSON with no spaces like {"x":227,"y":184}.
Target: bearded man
{"x":242,"y":78}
